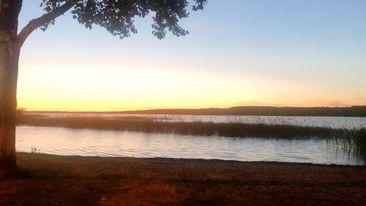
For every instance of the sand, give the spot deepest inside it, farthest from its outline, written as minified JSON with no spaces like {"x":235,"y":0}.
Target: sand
{"x":58,"y":180}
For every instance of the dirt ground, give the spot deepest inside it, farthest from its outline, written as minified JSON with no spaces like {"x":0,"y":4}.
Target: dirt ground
{"x":57,"y":180}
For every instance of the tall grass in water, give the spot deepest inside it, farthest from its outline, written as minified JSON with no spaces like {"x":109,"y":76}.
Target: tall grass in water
{"x":353,"y":142}
{"x":227,"y":129}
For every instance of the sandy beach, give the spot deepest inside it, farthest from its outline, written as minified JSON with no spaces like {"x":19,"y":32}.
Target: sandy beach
{"x":63,"y":180}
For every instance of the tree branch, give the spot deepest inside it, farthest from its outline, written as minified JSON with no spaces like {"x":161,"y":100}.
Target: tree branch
{"x":42,"y":20}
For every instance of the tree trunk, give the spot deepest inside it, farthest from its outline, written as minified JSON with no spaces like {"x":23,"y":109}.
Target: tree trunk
{"x":9,"y":57}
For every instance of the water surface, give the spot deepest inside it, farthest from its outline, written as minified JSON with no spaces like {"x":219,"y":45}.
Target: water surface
{"x":88,"y":142}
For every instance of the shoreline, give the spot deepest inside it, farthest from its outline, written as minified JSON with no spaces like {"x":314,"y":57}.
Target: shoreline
{"x":192,"y":160}
{"x":76,"y":180}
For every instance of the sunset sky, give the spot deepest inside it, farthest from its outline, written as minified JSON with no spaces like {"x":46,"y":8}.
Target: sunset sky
{"x":238,"y":52}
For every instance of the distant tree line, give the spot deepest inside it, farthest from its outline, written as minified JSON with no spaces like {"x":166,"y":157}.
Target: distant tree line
{"x":354,"y":111}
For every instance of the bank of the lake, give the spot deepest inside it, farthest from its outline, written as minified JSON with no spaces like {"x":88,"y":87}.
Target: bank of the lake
{"x":65,"y":180}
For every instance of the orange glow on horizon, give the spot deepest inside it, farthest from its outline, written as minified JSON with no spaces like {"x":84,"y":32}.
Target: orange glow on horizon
{"x":121,"y":89}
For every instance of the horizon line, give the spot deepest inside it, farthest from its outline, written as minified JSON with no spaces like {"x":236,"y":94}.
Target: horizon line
{"x":172,"y":109}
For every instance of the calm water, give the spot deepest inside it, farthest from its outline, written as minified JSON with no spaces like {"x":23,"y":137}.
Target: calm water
{"x":87,"y":142}
{"x":333,"y":122}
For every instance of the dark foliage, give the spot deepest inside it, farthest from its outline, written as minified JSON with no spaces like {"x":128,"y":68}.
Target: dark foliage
{"x":117,"y":16}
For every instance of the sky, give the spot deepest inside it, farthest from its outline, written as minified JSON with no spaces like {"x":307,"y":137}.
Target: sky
{"x":238,"y":52}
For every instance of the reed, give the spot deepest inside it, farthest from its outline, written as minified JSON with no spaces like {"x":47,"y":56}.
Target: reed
{"x":227,"y":129}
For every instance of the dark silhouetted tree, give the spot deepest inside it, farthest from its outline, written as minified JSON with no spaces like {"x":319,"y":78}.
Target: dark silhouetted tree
{"x":116,"y":16}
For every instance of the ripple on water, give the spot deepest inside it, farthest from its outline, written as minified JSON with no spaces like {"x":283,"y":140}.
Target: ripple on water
{"x":85,"y":142}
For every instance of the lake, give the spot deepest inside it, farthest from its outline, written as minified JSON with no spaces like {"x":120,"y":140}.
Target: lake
{"x":89,"y":142}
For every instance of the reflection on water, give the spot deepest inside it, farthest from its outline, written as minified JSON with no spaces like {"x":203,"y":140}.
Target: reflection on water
{"x":333,"y":122}
{"x":87,"y":142}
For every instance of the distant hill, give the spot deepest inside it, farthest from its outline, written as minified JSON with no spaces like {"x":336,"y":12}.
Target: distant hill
{"x":354,"y":111}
